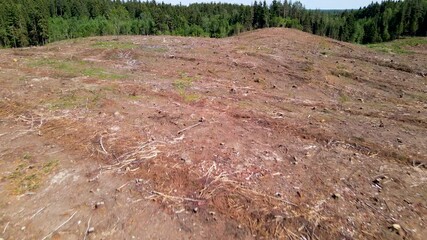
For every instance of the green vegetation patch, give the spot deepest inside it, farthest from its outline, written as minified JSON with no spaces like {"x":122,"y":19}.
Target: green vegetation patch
{"x":343,"y":73}
{"x":399,"y":46}
{"x":29,"y":177}
{"x":155,"y":48}
{"x":76,"y":99}
{"x":76,"y":68}
{"x":343,"y":98}
{"x":114,"y":45}
{"x":182,"y":85}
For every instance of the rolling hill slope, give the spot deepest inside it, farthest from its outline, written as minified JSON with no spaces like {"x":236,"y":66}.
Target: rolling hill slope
{"x":270,"y":134}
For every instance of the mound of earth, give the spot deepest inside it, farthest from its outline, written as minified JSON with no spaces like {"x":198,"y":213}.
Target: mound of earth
{"x":273,"y":133}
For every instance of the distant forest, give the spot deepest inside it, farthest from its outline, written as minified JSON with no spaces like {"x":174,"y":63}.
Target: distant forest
{"x":37,"y":22}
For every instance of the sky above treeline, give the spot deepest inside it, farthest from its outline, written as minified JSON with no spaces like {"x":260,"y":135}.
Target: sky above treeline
{"x":309,"y":4}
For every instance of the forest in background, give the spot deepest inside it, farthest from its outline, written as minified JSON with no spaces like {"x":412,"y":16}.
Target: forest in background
{"x":37,"y":22}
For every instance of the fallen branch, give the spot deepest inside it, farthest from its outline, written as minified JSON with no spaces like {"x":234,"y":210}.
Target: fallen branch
{"x":56,"y":229}
{"x":87,"y":229}
{"x":174,"y":197}
{"x":5,"y":227}
{"x":102,"y":146}
{"x":35,"y":214}
{"x":188,"y":128}
{"x":122,"y":186}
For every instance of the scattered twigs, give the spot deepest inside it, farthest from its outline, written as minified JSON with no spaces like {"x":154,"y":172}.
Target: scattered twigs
{"x":32,"y":121}
{"x":62,"y":224}
{"x":222,"y":182}
{"x":35,"y":123}
{"x":145,"y":151}
{"x":266,"y":196}
{"x":87,"y":229}
{"x":181,"y":199}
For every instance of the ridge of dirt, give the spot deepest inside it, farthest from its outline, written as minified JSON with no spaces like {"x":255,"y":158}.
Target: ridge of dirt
{"x":272,"y":134}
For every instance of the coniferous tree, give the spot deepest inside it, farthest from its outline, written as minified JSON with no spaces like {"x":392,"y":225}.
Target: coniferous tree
{"x":36,"y":22}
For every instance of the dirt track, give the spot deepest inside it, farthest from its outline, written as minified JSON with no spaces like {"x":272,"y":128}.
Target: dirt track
{"x":271,"y":134}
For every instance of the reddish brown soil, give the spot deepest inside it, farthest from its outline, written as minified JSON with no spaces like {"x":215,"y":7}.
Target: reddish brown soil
{"x":272,"y":134}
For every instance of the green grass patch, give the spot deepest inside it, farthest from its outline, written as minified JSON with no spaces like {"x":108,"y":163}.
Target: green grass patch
{"x":182,"y":85}
{"x":155,"y":48}
{"x":27,"y":177}
{"x":342,"y":73}
{"x":399,"y":46}
{"x":191,"y":97}
{"x":343,"y":98}
{"x":75,"y":99}
{"x":114,"y":45}
{"x":76,"y":68}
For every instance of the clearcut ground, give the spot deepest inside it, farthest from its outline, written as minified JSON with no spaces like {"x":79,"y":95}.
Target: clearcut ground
{"x":272,"y":134}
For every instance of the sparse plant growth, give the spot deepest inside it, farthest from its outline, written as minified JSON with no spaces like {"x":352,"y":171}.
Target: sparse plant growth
{"x":76,"y":68}
{"x":28,"y":177}
{"x":183,"y":85}
{"x":401,"y":46}
{"x":341,"y":72}
{"x":74,"y":100}
{"x":114,"y":45}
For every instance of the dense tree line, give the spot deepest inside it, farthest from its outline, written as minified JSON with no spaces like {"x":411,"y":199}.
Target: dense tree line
{"x":36,"y":22}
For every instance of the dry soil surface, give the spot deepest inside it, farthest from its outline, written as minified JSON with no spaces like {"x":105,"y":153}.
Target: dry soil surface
{"x":272,"y":134}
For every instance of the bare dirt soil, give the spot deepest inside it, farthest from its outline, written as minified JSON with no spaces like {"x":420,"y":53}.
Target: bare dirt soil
{"x":272,"y":134}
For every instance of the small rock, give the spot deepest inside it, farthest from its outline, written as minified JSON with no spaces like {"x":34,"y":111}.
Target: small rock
{"x":278,"y":194}
{"x":195,"y":210}
{"x":381,"y":124}
{"x":222,"y":144}
{"x":336,"y":196}
{"x":294,"y":160}
{"x":186,"y":159}
{"x":202,"y":119}
{"x":99,"y":204}
{"x":396,"y":226}
{"x":212,"y":213}
{"x":91,"y":230}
